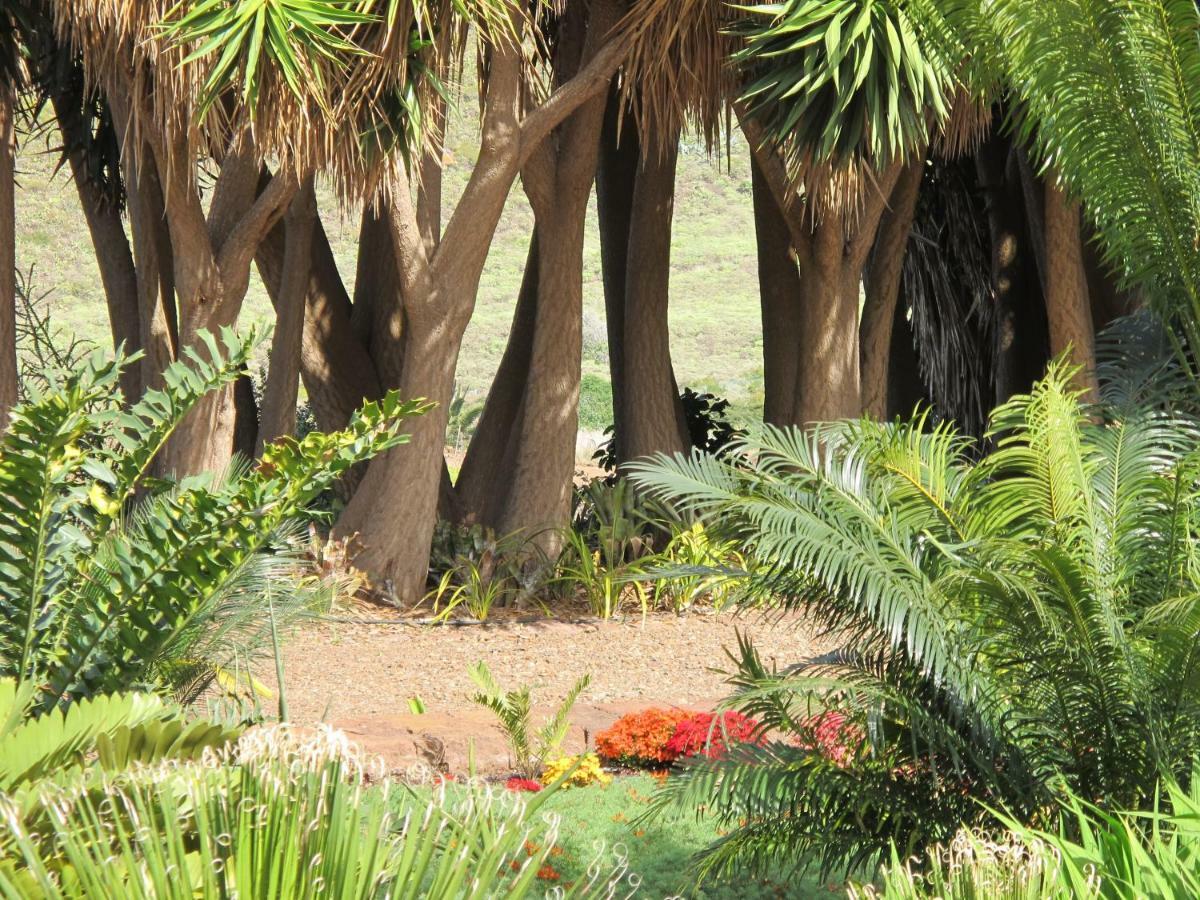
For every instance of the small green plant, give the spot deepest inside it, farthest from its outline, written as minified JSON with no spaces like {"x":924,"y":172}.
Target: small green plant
{"x":695,"y":567}
{"x":513,"y":709}
{"x":110,"y":732}
{"x":606,"y":581}
{"x":463,"y":417}
{"x":974,"y":866}
{"x":473,"y":568}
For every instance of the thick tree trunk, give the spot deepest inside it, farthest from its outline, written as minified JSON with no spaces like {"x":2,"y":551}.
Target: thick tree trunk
{"x":558,"y":181}
{"x":882,"y":284}
{"x":8,"y":257}
{"x":1068,"y":309}
{"x":408,"y":478}
{"x":827,"y":372}
{"x":156,"y":307}
{"x":113,"y":254}
{"x":395,"y":510}
{"x":616,"y":176}
{"x":378,"y":313}
{"x":831,"y":255}
{"x":480,"y":495}
{"x":539,"y":493}
{"x":779,"y":293}
{"x":1020,"y":351}
{"x":653,"y":419}
{"x":245,"y":411}
{"x":277,"y":417}
{"x":338,"y":372}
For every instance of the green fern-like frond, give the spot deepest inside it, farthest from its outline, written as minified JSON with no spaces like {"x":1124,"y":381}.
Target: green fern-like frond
{"x":1012,"y":625}
{"x":98,"y":592}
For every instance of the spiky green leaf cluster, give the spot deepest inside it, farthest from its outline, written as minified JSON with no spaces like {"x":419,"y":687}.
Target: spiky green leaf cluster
{"x":99,"y":592}
{"x":842,"y":81}
{"x":246,"y":36}
{"x":513,"y":711}
{"x":280,"y":818}
{"x":1013,"y":626}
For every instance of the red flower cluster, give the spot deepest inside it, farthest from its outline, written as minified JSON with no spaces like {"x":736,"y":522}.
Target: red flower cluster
{"x":517,"y":783}
{"x":692,"y":735}
{"x":832,"y":735}
{"x":640,"y":738}
{"x":653,"y":738}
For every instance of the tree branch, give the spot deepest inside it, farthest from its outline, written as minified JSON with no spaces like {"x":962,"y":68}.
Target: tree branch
{"x":592,"y":79}
{"x":236,"y":254}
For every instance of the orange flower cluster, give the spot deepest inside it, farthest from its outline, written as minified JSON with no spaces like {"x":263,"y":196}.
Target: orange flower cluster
{"x":640,"y":738}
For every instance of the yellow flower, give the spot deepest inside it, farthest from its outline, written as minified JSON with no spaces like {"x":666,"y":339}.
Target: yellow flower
{"x":587,"y":772}
{"x":103,"y":504}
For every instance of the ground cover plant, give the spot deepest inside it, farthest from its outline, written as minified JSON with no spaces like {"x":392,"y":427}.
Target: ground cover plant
{"x":530,"y":747}
{"x":1014,"y":626}
{"x":603,"y":822}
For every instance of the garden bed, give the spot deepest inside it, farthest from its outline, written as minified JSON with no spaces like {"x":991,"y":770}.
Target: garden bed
{"x":364,"y":678}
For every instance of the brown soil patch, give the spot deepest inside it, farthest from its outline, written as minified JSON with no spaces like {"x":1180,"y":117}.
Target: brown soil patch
{"x":360,"y":677}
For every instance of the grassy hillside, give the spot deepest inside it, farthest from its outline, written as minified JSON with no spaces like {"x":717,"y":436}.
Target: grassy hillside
{"x":715,"y":327}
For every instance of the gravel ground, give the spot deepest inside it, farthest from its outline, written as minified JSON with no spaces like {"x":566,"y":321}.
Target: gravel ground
{"x":343,"y":670}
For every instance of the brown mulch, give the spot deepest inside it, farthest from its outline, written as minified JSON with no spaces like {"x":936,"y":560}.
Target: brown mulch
{"x":361,"y":677}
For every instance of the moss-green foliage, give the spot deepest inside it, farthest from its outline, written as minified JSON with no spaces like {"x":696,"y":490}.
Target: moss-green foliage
{"x":1013,"y":625}
{"x":100,"y":592}
{"x":595,"y":403}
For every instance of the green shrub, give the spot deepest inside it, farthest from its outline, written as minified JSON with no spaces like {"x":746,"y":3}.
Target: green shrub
{"x":103,"y":589}
{"x":1139,"y":855}
{"x":1015,"y":626}
{"x":112,"y":732}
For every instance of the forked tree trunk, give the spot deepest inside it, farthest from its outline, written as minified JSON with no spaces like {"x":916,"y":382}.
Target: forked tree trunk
{"x":653,"y":419}
{"x":831,"y":253}
{"x":113,"y":254}
{"x":277,"y":418}
{"x":158,"y":332}
{"x":827,"y":372}
{"x":779,"y":295}
{"x":395,"y":509}
{"x":558,"y":180}
{"x":543,"y":443}
{"x":1068,"y":308}
{"x":338,"y":372}
{"x":480,"y":495}
{"x":8,"y":257}
{"x":882,"y":287}
{"x":616,"y":176}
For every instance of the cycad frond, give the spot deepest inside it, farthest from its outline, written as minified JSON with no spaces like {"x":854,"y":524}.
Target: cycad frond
{"x":1011,"y":626}
{"x":1112,"y":91}
{"x":96,"y":597}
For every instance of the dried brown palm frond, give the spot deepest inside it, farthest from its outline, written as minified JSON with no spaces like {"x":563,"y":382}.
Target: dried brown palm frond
{"x":969,"y":122}
{"x":678,"y":71}
{"x":348,"y":113}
